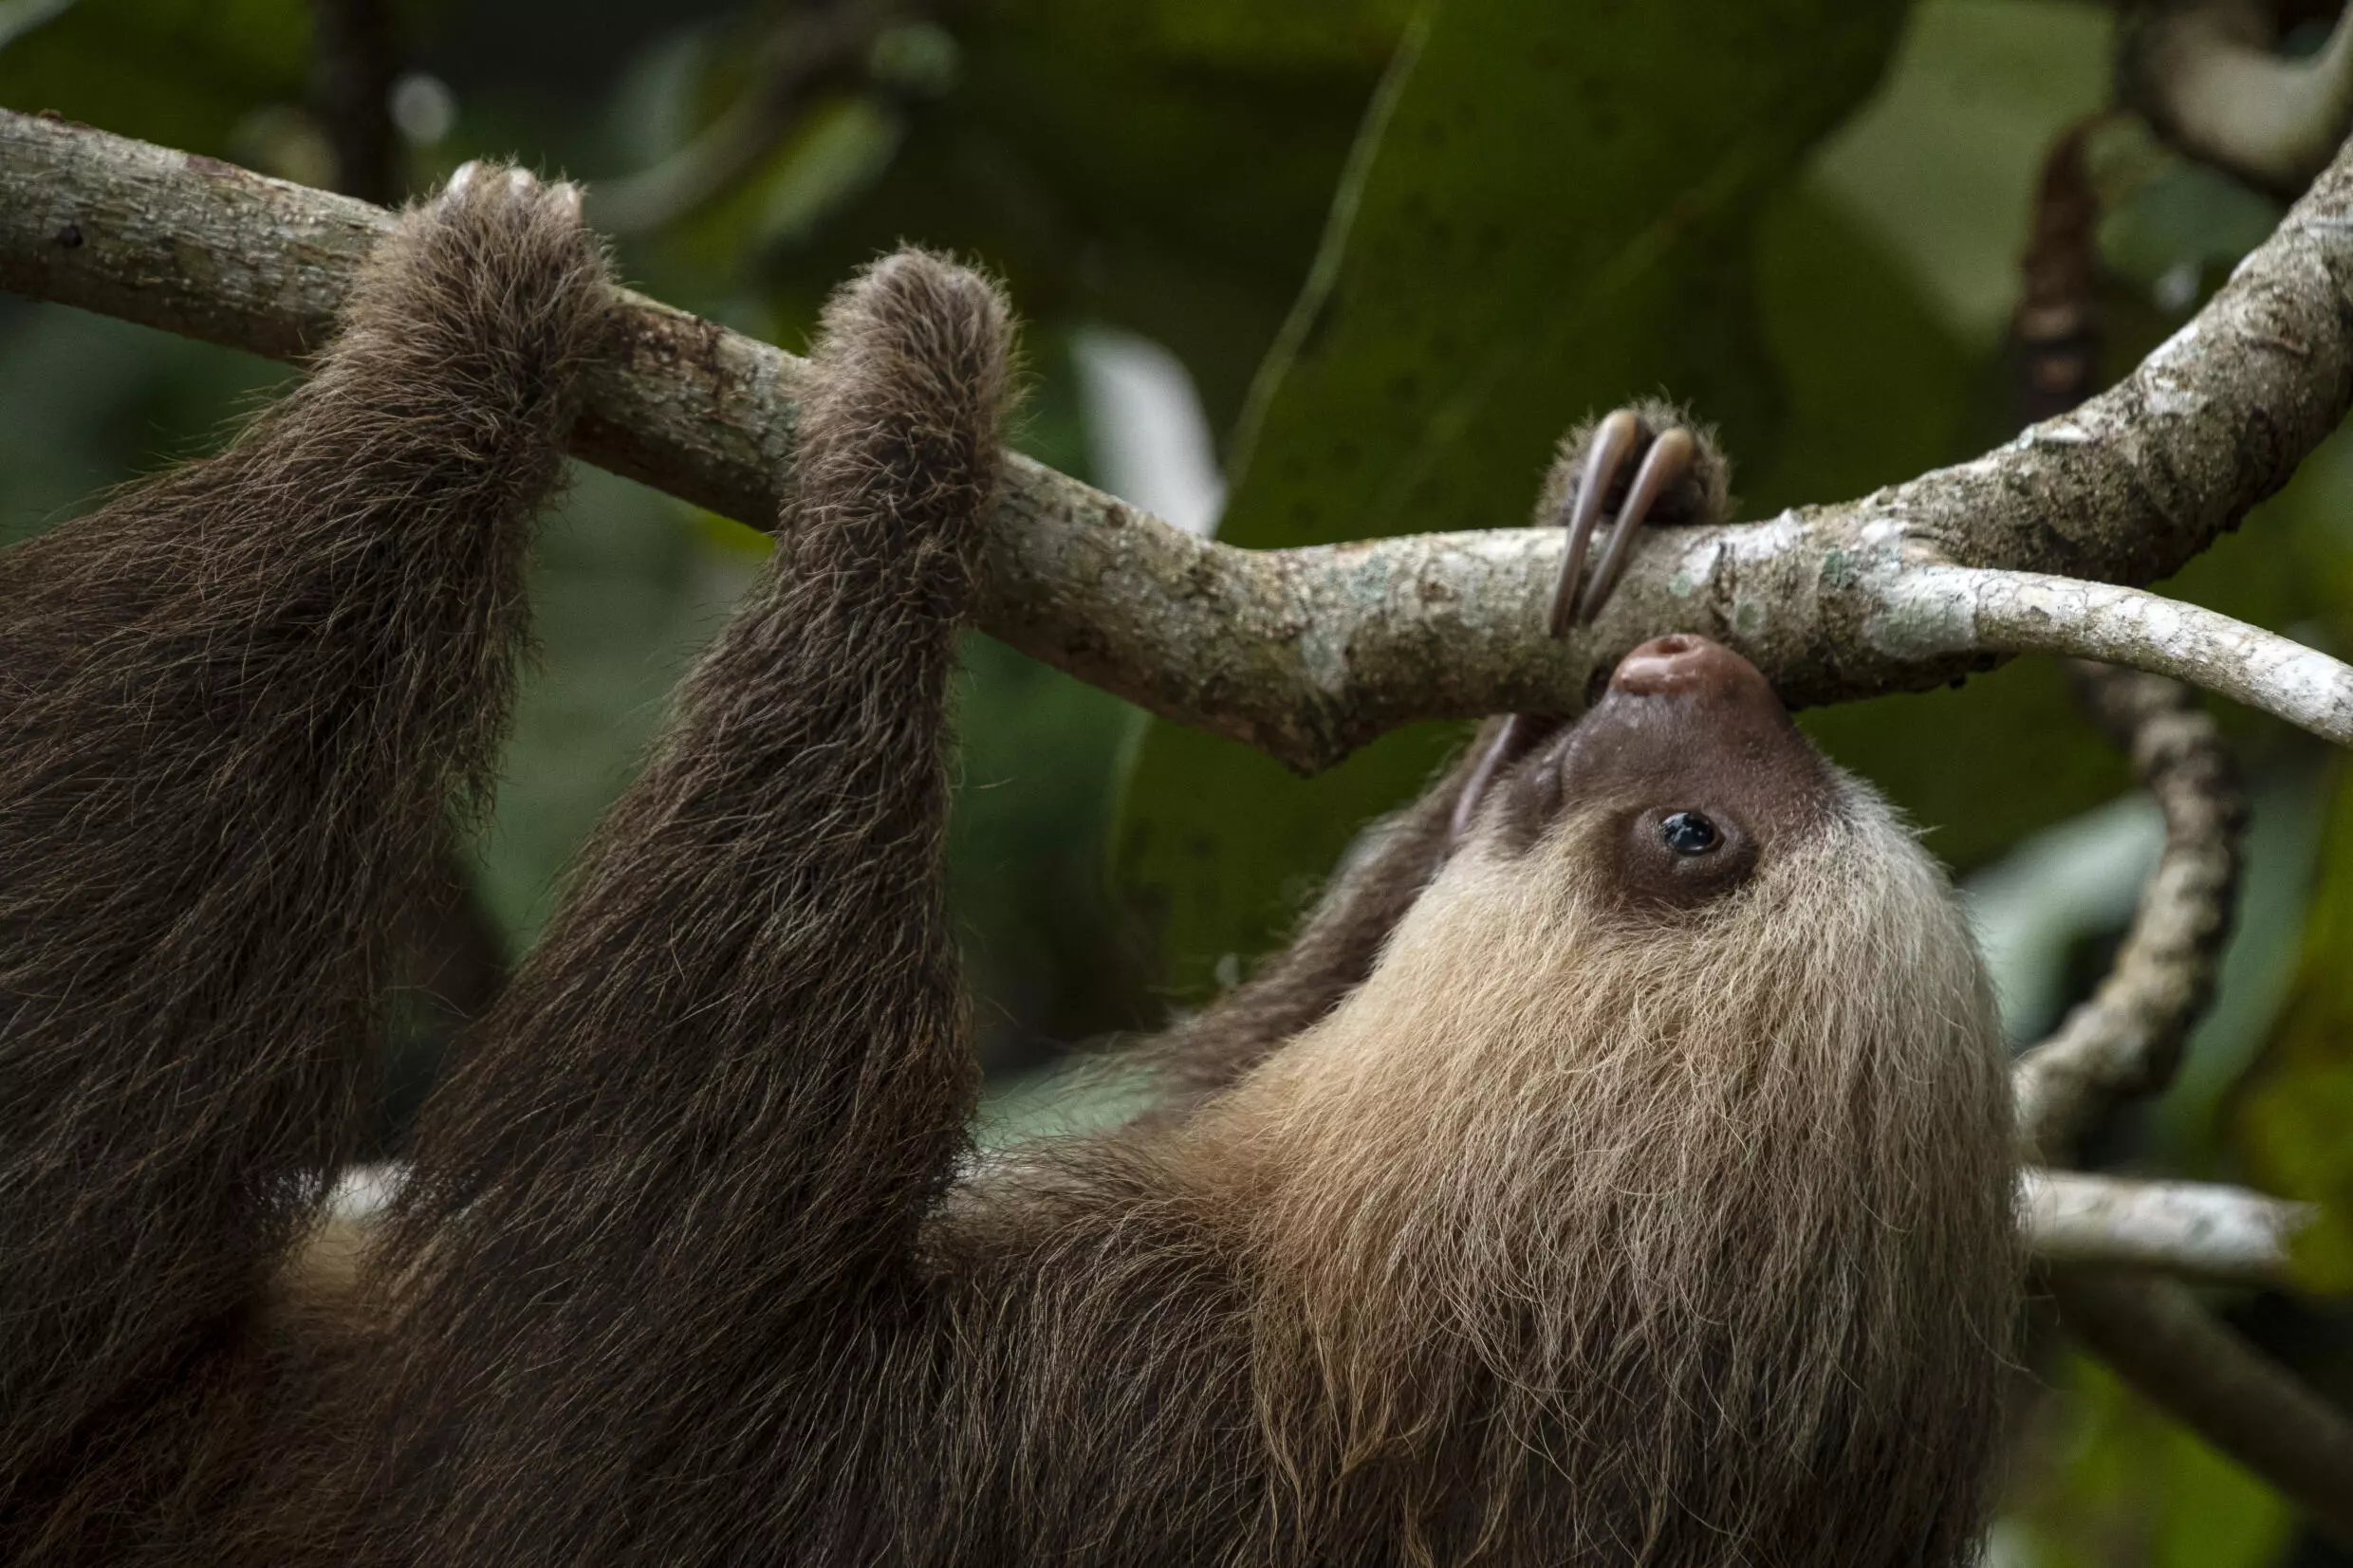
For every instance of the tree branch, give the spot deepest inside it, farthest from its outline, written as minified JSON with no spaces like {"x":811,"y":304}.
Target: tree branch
{"x":1309,"y":654}
{"x":2224,"y":1234}
{"x":2157,"y":1334}
{"x":1930,"y":610}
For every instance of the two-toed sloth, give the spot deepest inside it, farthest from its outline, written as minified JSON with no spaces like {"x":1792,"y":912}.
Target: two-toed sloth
{"x":1615,"y":1169}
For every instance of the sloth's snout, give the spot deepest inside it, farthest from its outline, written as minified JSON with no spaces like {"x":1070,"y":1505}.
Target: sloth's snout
{"x":1686,"y":664}
{"x":1685,"y":720}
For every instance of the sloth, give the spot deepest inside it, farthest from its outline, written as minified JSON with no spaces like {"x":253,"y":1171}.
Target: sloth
{"x":1615,"y":1169}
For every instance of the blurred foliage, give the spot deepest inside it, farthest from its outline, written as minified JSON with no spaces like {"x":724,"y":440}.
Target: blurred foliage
{"x":2118,"y":1484}
{"x":2290,"y":1120}
{"x":185,"y":72}
{"x":1399,"y":247}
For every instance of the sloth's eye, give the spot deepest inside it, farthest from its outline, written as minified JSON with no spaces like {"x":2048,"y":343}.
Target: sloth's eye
{"x":1689,"y":832}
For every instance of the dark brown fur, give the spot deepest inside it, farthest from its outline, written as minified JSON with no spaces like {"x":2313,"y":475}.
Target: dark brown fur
{"x":236,"y":704}
{"x":1541,"y":1205}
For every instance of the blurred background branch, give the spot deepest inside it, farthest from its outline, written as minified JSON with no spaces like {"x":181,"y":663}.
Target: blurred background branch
{"x":2158,"y":1335}
{"x":2209,"y":77}
{"x":2125,"y":1041}
{"x":2220,"y":1234}
{"x":355,"y":61}
{"x":803,"y":48}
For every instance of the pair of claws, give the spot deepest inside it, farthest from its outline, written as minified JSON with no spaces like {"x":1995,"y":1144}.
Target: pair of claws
{"x":1667,"y":466}
{"x":1678,"y":479}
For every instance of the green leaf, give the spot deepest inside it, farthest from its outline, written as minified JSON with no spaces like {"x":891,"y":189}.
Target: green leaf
{"x":1248,"y":34}
{"x":1549,"y":211}
{"x":1942,"y":165}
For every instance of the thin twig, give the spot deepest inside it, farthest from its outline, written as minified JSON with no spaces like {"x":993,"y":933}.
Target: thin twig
{"x":1937,"y":609}
{"x":2224,"y":1234}
{"x":807,"y":45}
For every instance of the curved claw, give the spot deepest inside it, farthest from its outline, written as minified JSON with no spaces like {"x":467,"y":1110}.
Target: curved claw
{"x":1518,"y":734}
{"x":1669,"y":458}
{"x":1613,"y":443}
{"x":462,"y":177}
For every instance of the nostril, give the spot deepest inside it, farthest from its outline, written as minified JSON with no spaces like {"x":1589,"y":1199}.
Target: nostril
{"x":1685,"y":662}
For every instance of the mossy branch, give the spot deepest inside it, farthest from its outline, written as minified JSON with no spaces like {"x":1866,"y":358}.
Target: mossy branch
{"x":1309,"y":654}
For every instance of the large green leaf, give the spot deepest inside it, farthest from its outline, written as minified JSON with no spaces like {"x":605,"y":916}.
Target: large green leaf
{"x":1943,"y":164}
{"x":1163,"y":165}
{"x":1551,"y":210}
{"x":1248,"y":34}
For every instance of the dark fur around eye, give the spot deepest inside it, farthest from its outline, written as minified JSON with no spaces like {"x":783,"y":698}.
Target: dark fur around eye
{"x":1681,"y":856}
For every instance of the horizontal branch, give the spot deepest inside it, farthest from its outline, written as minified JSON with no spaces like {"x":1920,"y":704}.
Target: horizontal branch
{"x":1310,"y":653}
{"x":2224,"y":1234}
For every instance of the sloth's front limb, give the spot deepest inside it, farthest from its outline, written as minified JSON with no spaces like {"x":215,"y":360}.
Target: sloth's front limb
{"x":238,"y":703}
{"x":675,"y":1191}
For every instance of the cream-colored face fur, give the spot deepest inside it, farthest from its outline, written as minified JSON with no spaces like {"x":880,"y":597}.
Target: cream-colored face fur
{"x":1845,"y":942}
{"x":1729,"y":1179}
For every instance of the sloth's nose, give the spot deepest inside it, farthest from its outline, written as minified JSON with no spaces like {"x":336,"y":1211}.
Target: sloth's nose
{"x":1685,"y":664}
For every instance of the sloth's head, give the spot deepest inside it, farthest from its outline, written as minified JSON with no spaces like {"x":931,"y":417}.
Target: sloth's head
{"x":1686,"y":783}
{"x":1679,"y":872}
{"x":1676,"y":1108}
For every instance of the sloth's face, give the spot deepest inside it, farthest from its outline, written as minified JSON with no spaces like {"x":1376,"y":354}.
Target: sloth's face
{"x":1687,"y":777}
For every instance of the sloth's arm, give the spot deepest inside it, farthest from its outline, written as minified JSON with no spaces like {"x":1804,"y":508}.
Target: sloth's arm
{"x":235,"y":705}
{"x":707,"y":1118}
